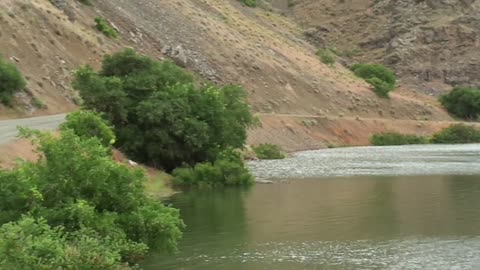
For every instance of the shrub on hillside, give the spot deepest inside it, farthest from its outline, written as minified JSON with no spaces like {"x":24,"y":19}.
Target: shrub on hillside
{"x":103,"y":26}
{"x":88,"y":124}
{"x":160,"y":116}
{"x":392,"y":138}
{"x":76,"y":185}
{"x":249,"y":3}
{"x":380,"y":87}
{"x":33,"y":244}
{"x":326,"y":56}
{"x":463,"y":102}
{"x":380,"y":77}
{"x":457,"y":133}
{"x":268,"y":151}
{"x":86,"y":2}
{"x":227,"y":170}
{"x":11,"y":81}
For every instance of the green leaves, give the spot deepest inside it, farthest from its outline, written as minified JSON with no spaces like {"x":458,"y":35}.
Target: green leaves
{"x":160,"y":116}
{"x":380,"y":77}
{"x":463,"y":102}
{"x":11,"y":81}
{"x":268,"y":151}
{"x":91,"y":205}
{"x":457,"y":133}
{"x":227,"y":170}
{"x":87,"y":124}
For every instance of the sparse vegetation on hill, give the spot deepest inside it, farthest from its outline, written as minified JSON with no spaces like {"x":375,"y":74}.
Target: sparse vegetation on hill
{"x":380,"y":77}
{"x":392,"y":138}
{"x":326,"y":56}
{"x":160,"y":116}
{"x":11,"y":81}
{"x":103,"y":26}
{"x":249,"y":3}
{"x":458,"y":133}
{"x":268,"y":151}
{"x":463,"y":102}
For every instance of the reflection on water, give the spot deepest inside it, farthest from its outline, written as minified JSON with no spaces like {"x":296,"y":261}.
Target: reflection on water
{"x":369,"y":222}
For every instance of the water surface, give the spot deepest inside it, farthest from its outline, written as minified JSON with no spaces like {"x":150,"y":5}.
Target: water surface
{"x":390,"y":215}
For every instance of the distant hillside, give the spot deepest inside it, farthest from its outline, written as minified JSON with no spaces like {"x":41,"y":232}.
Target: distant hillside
{"x":431,"y":44}
{"x":301,"y":102}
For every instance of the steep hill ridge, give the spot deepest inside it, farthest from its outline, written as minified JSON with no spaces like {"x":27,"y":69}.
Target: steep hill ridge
{"x":301,"y":102}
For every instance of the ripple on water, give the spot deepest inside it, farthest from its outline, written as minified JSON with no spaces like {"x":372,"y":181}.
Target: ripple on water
{"x":439,"y":254}
{"x":391,"y":160}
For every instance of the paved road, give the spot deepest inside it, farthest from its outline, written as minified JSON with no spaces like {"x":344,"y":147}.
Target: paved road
{"x":8,"y":128}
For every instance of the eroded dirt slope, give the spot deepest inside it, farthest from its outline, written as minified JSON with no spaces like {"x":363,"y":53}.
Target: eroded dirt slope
{"x":221,"y":41}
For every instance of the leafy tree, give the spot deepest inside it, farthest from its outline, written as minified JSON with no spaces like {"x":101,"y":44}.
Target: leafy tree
{"x":88,"y":124}
{"x":77,"y":186}
{"x":462,"y":102}
{"x":160,"y":116}
{"x":227,"y":170}
{"x":268,"y":151}
{"x":380,"y":77}
{"x":11,"y":81}
{"x":457,"y":133}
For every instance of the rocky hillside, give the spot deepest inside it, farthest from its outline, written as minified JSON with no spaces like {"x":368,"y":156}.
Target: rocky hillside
{"x":431,"y":44}
{"x":301,"y":102}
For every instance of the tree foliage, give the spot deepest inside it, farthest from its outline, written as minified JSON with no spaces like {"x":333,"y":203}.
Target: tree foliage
{"x":380,"y":77}
{"x":463,"y":102}
{"x":88,"y":124}
{"x":85,"y":197}
{"x":457,"y":133}
{"x":11,"y":81}
{"x":161,"y":117}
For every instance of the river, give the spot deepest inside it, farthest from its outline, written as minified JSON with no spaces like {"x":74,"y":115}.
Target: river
{"x":407,"y":207}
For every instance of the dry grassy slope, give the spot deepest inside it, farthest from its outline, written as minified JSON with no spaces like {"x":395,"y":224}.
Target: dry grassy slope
{"x":266,"y":53}
{"x":48,"y":46}
{"x":431,"y":44}
{"x":222,"y":41}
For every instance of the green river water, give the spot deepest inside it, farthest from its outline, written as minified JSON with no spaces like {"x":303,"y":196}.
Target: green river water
{"x":414,"y":207}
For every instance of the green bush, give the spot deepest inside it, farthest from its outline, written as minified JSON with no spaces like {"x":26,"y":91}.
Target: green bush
{"x":228,"y":170}
{"x":268,"y":151}
{"x":392,"y":138}
{"x":32,"y":244}
{"x":249,"y":3}
{"x":380,"y":87}
{"x":160,"y":116}
{"x":76,"y":186}
{"x":326,"y":56}
{"x":11,"y":81}
{"x":103,"y":26}
{"x":380,"y":77}
{"x":88,"y":124}
{"x":86,"y":2}
{"x":462,"y":102}
{"x":457,"y":133}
